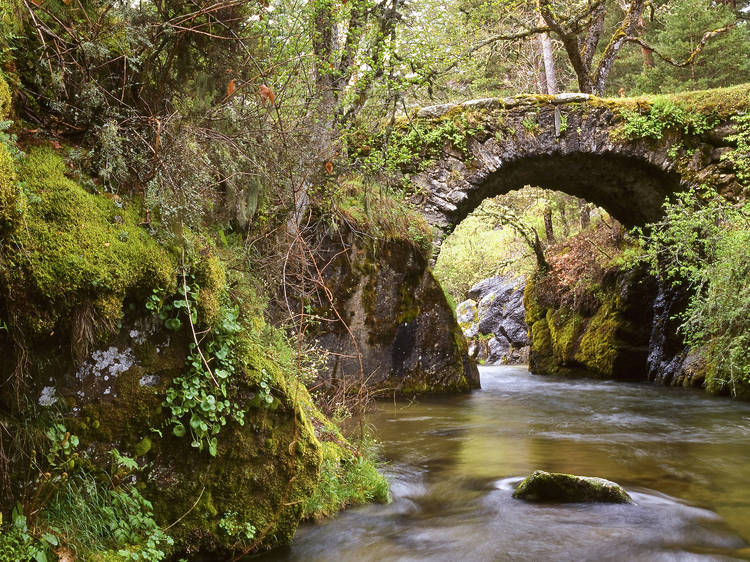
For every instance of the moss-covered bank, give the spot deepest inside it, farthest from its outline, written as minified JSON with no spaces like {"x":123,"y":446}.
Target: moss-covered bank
{"x":588,"y":315}
{"x":98,"y":333}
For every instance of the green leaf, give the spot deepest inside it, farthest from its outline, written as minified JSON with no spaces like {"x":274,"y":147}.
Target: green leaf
{"x":179,"y":430}
{"x":172,"y":324}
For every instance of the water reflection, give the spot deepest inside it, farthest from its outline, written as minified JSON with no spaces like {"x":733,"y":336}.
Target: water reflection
{"x":453,"y":462}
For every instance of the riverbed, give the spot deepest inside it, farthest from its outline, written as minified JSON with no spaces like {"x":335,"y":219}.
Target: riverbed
{"x":453,"y":463}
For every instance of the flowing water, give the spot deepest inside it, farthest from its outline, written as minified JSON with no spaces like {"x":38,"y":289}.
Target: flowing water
{"x":453,"y":464}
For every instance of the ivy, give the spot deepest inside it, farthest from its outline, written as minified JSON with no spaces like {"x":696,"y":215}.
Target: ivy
{"x":201,"y":401}
{"x":664,"y":115}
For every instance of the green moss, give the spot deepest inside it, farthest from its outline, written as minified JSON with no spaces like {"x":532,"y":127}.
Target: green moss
{"x":598,"y":349}
{"x":408,"y":305}
{"x":541,"y":339}
{"x":210,"y":277}
{"x":533,"y":310}
{"x":11,"y":202}
{"x":557,"y":487}
{"x":77,"y":249}
{"x":719,"y":102}
{"x":379,"y":212}
{"x":5,"y":100}
{"x":142,"y":447}
{"x":565,"y":327}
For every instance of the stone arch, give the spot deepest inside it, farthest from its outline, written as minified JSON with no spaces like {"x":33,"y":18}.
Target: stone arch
{"x":571,"y":143}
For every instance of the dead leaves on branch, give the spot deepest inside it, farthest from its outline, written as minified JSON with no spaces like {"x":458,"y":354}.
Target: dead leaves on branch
{"x":266,"y":94}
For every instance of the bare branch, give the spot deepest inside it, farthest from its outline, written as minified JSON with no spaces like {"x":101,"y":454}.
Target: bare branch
{"x":693,"y":54}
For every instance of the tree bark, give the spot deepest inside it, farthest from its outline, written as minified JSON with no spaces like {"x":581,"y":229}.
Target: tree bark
{"x":593,"y":35}
{"x":541,"y":79}
{"x":548,"y":59}
{"x":585,"y":215}
{"x":548,"y":230}
{"x":627,"y":28}
{"x":564,"y":218}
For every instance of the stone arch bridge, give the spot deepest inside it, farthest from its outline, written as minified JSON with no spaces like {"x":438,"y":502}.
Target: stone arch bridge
{"x":458,"y":155}
{"x":579,"y":144}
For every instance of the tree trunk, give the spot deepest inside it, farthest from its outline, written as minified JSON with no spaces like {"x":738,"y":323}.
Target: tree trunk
{"x":548,"y":230}
{"x":541,"y":79}
{"x":585,"y":216}
{"x":564,"y":218}
{"x":571,"y":44}
{"x":548,"y":58}
{"x":541,"y":261}
{"x":627,"y":28}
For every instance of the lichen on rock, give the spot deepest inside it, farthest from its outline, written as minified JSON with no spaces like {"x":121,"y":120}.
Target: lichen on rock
{"x":557,"y":487}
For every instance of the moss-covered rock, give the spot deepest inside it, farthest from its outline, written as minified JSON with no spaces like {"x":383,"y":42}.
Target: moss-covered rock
{"x":77,"y":256}
{"x":565,"y":327}
{"x":264,"y":470}
{"x":611,"y":340}
{"x":598,"y":348}
{"x":79,"y":274}
{"x":397,"y":317}
{"x":556,"y":487}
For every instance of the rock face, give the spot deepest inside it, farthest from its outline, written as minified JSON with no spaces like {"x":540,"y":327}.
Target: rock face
{"x":610,"y":339}
{"x":493,"y":320}
{"x":398,"y":320}
{"x":667,"y":353}
{"x":567,"y":488}
{"x":631,"y":334}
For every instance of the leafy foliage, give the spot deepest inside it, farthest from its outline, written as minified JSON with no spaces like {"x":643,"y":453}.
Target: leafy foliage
{"x":97,"y":519}
{"x":704,"y":243}
{"x":346,"y":478}
{"x":199,"y":400}
{"x":243,"y":532}
{"x":740,"y":156}
{"x":674,"y":30}
{"x":662,"y":116}
{"x":412,"y":146}
{"x":83,"y":511}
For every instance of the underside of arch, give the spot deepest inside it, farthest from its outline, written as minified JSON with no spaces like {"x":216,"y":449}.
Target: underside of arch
{"x":630,"y":189}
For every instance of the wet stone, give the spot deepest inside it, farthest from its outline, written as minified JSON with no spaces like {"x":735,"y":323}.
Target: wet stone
{"x":556,"y":487}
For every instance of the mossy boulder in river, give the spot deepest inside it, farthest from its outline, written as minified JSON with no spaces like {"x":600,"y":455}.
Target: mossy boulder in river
{"x":544,"y":486}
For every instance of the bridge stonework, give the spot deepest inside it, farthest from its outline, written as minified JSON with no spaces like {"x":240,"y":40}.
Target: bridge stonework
{"x":573,"y":143}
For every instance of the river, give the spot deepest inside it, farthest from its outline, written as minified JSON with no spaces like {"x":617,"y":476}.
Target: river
{"x":453,"y":463}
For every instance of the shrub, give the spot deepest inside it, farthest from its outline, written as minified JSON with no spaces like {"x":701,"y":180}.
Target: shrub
{"x":703,"y":243}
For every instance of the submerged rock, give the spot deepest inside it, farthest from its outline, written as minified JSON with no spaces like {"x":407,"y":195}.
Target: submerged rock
{"x":544,"y":486}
